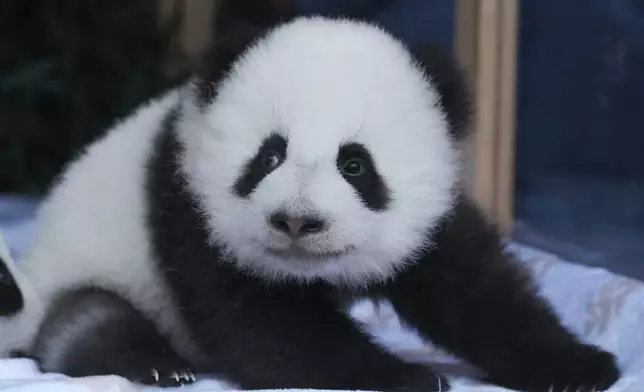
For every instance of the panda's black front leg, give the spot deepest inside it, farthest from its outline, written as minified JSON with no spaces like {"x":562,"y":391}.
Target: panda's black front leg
{"x":469,"y":297}
{"x":288,"y":339}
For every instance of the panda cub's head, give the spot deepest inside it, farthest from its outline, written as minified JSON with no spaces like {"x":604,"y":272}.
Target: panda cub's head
{"x":324,"y":149}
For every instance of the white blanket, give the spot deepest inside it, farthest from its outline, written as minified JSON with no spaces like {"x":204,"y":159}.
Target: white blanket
{"x":603,"y":308}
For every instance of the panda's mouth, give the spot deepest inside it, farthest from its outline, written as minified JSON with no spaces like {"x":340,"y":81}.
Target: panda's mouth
{"x":296,"y":252}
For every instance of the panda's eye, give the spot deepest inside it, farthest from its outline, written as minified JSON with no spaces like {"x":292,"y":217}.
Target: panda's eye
{"x":272,"y":159}
{"x":353,"y":167}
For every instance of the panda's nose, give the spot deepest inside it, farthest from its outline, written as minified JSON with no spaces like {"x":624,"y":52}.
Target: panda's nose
{"x":297,"y":226}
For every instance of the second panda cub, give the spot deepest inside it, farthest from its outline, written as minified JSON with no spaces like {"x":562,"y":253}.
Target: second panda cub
{"x":221,"y":228}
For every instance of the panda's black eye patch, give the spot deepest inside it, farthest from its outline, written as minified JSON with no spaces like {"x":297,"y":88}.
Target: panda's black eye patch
{"x":356,"y":165}
{"x":270,"y":155}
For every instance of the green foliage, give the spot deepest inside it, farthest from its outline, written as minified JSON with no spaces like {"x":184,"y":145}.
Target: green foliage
{"x":68,"y":70}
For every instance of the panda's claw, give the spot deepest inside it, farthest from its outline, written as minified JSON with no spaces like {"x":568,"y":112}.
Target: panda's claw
{"x":173,"y":378}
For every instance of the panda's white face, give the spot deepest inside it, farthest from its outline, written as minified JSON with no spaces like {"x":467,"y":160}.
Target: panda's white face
{"x":325,"y":155}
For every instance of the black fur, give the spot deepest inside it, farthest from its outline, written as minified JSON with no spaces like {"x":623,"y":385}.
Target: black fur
{"x":370,"y":186}
{"x":11,"y":300}
{"x":469,"y":296}
{"x":90,"y":331}
{"x":451,"y":84}
{"x":256,"y":169}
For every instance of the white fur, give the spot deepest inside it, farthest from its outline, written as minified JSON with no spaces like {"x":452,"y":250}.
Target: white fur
{"x":91,"y":228}
{"x":321,"y":83}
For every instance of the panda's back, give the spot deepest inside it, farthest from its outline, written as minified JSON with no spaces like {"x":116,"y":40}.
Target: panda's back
{"x":91,"y":228}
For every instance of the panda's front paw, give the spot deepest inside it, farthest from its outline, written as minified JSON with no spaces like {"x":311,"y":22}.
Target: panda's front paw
{"x":167,"y":372}
{"x":170,"y":378}
{"x":590,"y":370}
{"x":584,"y":369}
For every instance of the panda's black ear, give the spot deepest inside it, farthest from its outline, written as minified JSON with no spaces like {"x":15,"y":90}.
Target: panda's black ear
{"x":236,"y":25}
{"x":452,"y":85}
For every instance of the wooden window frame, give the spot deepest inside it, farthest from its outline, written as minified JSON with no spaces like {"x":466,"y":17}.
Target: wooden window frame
{"x":485,"y":43}
{"x":196,"y":23}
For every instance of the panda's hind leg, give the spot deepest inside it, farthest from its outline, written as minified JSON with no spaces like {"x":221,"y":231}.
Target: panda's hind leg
{"x":91,"y":331}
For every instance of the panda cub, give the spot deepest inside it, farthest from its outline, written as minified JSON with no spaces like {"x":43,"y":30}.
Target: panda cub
{"x":224,"y":227}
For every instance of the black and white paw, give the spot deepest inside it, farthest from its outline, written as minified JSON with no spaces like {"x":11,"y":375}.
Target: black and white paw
{"x":173,"y":372}
{"x":586,"y":369}
{"x":170,"y":378}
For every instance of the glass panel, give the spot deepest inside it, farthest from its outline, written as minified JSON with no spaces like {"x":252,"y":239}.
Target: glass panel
{"x":580,"y":141}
